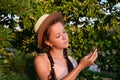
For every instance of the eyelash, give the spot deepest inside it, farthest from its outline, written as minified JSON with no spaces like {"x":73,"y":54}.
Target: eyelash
{"x":59,"y":35}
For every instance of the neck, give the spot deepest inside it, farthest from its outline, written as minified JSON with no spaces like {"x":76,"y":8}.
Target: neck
{"x":57,"y":53}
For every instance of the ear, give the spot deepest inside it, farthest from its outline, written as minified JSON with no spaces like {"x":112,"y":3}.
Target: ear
{"x":48,"y":43}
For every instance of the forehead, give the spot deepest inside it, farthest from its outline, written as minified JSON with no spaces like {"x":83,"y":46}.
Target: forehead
{"x":57,"y":27}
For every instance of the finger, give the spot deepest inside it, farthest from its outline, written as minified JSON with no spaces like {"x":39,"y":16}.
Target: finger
{"x":94,"y":56}
{"x":89,"y":55}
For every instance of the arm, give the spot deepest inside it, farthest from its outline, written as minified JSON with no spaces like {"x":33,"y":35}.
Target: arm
{"x":41,"y":67}
{"x":85,"y":62}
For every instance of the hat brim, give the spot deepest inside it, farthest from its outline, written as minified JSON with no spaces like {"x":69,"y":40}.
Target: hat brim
{"x":46,"y":23}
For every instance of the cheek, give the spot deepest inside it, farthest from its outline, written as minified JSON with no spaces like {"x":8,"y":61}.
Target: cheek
{"x":56,"y":43}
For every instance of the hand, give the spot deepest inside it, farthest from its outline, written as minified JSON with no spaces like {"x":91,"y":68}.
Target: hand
{"x":89,"y":59}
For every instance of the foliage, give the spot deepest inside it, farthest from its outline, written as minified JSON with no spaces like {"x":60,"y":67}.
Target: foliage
{"x":87,"y":24}
{"x":17,"y":66}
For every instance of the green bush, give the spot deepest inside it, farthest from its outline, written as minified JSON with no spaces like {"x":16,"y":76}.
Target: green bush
{"x":104,"y":34}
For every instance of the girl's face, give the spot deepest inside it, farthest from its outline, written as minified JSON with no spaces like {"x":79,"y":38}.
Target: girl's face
{"x":58,"y":37}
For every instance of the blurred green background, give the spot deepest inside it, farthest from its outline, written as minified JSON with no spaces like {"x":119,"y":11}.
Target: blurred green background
{"x":88,"y":23}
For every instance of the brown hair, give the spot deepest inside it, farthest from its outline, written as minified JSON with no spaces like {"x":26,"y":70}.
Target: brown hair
{"x":47,"y":48}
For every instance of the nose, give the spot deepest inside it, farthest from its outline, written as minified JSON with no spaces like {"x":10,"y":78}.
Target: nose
{"x":65,"y":36}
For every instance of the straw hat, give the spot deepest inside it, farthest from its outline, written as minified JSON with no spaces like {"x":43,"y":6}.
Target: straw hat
{"x":43,"y":22}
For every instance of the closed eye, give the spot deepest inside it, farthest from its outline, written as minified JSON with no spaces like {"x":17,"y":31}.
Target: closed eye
{"x":58,"y":36}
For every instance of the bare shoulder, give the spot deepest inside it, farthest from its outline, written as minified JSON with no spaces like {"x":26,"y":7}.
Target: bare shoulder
{"x":40,"y":57}
{"x":41,"y":66}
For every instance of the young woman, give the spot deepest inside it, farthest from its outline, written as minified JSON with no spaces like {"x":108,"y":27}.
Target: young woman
{"x":54,"y":63}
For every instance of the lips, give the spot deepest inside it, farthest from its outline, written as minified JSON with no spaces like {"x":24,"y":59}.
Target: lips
{"x":66,"y":42}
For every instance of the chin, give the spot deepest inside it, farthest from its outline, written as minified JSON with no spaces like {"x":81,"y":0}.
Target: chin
{"x":66,"y":46}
